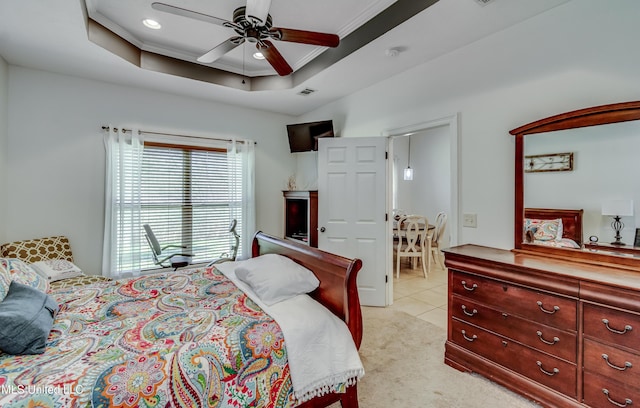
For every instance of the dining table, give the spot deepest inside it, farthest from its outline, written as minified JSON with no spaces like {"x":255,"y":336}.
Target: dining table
{"x":421,"y":225}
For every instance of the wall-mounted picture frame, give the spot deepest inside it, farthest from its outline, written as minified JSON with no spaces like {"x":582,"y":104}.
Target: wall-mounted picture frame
{"x":636,"y":242}
{"x":548,"y":162}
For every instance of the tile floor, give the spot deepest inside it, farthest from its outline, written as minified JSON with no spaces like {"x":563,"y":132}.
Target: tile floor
{"x":423,"y":298}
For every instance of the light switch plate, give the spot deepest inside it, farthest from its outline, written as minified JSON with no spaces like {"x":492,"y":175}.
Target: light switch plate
{"x":470,"y":220}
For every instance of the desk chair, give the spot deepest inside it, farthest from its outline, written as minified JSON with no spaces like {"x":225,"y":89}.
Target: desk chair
{"x":175,"y":260}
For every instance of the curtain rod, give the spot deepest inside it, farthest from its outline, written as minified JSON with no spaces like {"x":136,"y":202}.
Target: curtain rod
{"x":175,"y":134}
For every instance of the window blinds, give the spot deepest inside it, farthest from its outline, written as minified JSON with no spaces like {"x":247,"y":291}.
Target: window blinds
{"x":188,"y":197}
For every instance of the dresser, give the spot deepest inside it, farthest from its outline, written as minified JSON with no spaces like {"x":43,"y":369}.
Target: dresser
{"x":562,"y":333}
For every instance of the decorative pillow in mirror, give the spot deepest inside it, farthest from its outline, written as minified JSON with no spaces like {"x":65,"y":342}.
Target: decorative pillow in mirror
{"x":544,"y":230}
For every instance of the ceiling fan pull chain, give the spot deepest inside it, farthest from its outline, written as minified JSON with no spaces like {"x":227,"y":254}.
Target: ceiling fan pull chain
{"x":244,"y":53}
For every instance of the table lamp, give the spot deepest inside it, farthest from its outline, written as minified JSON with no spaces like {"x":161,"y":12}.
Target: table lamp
{"x":617,"y":209}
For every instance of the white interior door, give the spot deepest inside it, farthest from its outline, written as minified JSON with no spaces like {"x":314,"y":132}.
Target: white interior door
{"x":352,"y":184}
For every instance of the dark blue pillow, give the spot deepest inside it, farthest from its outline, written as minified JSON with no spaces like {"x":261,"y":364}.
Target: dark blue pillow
{"x":26,"y":318}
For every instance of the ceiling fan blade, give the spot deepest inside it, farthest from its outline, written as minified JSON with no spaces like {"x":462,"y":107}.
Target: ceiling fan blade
{"x":274,"y":57}
{"x":220,"y":50}
{"x":178,"y":11}
{"x":257,"y":11}
{"x":305,"y":37}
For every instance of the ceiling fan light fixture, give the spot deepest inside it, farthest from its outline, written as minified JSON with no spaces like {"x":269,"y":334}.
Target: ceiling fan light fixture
{"x":258,"y":55}
{"x":253,"y":23}
{"x":152,"y":24}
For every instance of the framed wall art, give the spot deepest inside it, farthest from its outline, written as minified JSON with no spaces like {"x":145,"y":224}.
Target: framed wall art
{"x":548,"y":162}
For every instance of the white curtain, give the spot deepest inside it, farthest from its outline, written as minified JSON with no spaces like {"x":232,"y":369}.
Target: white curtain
{"x":241,"y":158}
{"x":122,"y":223}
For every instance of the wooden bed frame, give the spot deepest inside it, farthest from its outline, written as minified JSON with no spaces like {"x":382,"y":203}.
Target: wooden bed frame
{"x":571,"y":220}
{"x":338,"y":292}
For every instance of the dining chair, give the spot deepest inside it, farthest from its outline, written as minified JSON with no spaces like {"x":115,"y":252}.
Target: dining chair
{"x":436,"y":237}
{"x":413,"y":242}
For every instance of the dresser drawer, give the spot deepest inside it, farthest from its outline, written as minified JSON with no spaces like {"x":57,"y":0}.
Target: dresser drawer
{"x":602,"y":392}
{"x":611,"y":362}
{"x":543,"y":307}
{"x":612,"y":326}
{"x":557,"y":342}
{"x":543,"y":368}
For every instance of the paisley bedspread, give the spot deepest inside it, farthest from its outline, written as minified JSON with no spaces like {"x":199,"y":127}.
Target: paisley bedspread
{"x":188,"y":338}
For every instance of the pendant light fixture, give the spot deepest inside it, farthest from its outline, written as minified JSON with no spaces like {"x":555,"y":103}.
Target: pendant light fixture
{"x":408,"y":172}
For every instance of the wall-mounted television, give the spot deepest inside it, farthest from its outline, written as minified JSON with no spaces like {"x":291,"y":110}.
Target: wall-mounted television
{"x":303,"y":137}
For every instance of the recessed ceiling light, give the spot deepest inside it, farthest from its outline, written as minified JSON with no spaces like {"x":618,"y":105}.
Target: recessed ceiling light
{"x":153,"y":24}
{"x":258,"y":56}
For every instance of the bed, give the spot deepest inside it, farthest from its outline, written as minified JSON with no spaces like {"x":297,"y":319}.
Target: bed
{"x":199,"y":337}
{"x":553,"y":227}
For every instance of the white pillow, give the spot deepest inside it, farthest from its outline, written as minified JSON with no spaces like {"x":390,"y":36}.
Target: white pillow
{"x":275,"y":278}
{"x":56,"y":269}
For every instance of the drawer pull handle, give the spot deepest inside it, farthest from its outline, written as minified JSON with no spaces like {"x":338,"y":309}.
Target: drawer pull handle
{"x":627,"y":328}
{"x":610,"y":364}
{"x":470,"y":289}
{"x":472,"y":338}
{"x":555,"y":308}
{"x":549,"y":373}
{"x":627,"y":401}
{"x":471,"y":313}
{"x":551,"y":343}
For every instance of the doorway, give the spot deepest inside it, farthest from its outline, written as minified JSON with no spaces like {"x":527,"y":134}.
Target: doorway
{"x":432,"y":154}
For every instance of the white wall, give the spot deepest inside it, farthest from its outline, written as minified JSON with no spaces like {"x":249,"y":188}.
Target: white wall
{"x":4,"y":102}
{"x":574,"y":56}
{"x":430,"y":190}
{"x":56,"y":159}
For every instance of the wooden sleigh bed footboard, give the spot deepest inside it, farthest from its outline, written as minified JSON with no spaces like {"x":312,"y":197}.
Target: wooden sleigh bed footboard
{"x":338,"y":292}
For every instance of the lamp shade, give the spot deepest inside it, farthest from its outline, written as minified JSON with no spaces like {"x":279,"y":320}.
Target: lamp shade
{"x":621,"y":208}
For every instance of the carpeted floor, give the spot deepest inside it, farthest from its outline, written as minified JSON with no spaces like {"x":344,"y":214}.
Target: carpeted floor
{"x":404,"y":367}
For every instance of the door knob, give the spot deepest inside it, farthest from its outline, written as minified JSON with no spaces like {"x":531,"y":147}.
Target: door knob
{"x":322,"y":229}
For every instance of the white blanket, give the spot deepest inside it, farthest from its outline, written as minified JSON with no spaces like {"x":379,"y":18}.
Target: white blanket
{"x":322,"y":354}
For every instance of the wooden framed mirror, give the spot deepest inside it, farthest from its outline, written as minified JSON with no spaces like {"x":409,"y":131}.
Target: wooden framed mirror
{"x":573,"y":127}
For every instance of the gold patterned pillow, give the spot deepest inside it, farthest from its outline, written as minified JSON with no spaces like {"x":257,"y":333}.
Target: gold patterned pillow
{"x":40,"y":249}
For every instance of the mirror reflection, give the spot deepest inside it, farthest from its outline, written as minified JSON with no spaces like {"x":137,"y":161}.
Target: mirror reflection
{"x":605,"y":179}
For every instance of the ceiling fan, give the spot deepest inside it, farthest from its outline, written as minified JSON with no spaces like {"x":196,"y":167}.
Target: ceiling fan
{"x":253,"y":23}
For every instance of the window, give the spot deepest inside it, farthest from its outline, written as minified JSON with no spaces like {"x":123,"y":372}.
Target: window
{"x":187,"y":194}
{"x":187,"y":197}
